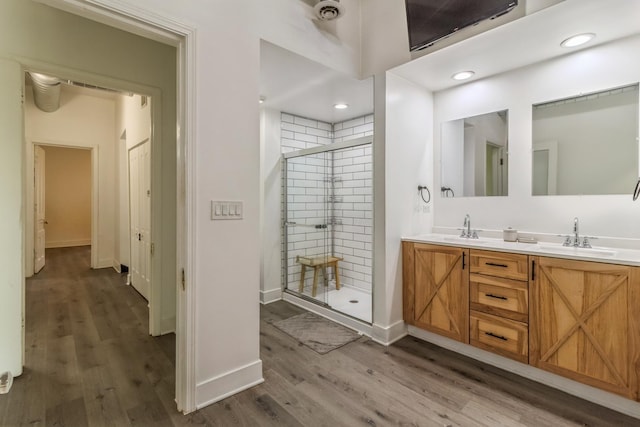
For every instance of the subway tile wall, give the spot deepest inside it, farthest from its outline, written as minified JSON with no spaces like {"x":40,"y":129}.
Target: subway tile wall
{"x":323,"y":186}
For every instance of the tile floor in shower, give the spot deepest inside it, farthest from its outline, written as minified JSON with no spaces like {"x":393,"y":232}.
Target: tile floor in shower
{"x":351,"y":301}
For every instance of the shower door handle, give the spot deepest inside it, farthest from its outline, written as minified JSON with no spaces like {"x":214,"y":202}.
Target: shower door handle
{"x":295,"y":224}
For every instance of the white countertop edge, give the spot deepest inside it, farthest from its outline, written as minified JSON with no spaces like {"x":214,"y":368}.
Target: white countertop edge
{"x":629,"y":257}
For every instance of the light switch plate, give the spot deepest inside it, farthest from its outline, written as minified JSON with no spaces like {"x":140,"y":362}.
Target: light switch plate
{"x":226,"y":209}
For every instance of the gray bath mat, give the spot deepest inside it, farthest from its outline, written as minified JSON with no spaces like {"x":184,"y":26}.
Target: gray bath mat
{"x":317,"y":333}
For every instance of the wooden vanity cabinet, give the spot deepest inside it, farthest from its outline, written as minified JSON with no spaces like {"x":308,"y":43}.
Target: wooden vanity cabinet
{"x":585,"y":322}
{"x":577,"y":319}
{"x":436,"y":289}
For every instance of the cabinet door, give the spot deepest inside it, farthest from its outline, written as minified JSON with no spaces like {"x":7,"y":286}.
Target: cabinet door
{"x":438,"y":296}
{"x":584,"y":322}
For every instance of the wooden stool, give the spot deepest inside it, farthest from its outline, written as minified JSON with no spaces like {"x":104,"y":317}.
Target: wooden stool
{"x":318,"y":263}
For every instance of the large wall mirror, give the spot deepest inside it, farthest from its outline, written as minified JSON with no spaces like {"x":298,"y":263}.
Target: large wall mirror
{"x":587,"y":144}
{"x":474,"y":156}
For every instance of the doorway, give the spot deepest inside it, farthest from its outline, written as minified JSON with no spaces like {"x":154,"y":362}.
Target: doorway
{"x":89,"y":119}
{"x":63,"y":195}
{"x":172,"y":111}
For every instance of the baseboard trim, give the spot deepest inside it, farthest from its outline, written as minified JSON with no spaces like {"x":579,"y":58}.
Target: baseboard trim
{"x":387,"y":335}
{"x":168,"y":325}
{"x":215,"y":389}
{"x":117,"y":266}
{"x":67,"y":243}
{"x":592,"y":394}
{"x":104,"y":263}
{"x":272,"y":295}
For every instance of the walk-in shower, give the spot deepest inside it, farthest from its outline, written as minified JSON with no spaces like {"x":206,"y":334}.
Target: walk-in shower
{"x":328,"y":225}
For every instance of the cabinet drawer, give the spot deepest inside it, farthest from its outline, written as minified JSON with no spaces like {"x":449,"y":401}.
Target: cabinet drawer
{"x":500,"y":264}
{"x":505,"y":337}
{"x":501,"y":297}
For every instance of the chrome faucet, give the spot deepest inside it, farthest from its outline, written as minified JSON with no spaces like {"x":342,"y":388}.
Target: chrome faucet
{"x":466,"y":229}
{"x":467,"y":224}
{"x":575,"y":239}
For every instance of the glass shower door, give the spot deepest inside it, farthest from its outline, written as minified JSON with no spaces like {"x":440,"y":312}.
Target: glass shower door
{"x":307,"y":236}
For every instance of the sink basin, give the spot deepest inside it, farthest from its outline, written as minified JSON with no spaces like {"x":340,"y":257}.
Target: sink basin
{"x":596,"y":252}
{"x":457,"y":239}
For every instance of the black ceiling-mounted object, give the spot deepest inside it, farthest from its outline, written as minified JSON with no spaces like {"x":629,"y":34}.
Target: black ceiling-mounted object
{"x":432,"y":20}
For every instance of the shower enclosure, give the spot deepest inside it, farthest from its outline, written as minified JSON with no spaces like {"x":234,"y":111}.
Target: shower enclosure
{"x":328,"y":226}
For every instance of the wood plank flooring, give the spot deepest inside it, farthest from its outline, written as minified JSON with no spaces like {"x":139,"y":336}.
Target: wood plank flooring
{"x":90,"y":362}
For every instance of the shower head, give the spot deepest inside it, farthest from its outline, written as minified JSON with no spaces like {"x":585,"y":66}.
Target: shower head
{"x":328,"y":10}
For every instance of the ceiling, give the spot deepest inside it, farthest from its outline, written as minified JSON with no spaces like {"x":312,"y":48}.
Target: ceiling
{"x":294,"y":84}
{"x":528,"y":40}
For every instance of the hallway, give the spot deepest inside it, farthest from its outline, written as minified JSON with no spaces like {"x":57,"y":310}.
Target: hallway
{"x":89,"y":359}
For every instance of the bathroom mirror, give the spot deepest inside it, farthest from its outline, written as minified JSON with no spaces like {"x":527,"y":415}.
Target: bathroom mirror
{"x":586,"y":144}
{"x":474,"y":156}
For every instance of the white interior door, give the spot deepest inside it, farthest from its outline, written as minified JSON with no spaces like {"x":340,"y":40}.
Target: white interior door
{"x":39,"y":205}
{"x":140,"y":217}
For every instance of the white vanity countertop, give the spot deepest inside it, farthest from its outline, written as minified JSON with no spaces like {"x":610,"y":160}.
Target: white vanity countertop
{"x":556,"y":250}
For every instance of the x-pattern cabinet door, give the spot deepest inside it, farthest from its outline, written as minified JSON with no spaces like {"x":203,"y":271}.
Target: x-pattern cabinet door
{"x":438,"y":300}
{"x":584,"y":322}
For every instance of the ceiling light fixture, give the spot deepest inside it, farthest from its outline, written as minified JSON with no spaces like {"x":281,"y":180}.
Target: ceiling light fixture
{"x":261,"y":100}
{"x":577,"y":40}
{"x":341,"y":106}
{"x":463,"y":75}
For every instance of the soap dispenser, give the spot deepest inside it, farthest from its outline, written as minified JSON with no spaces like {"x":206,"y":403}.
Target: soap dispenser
{"x":509,"y":235}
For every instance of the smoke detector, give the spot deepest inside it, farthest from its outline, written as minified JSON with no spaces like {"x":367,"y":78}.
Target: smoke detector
{"x":328,"y":10}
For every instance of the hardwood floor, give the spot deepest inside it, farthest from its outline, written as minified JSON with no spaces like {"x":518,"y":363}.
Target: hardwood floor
{"x":90,"y":361}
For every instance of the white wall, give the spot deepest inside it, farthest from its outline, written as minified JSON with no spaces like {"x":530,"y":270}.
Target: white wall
{"x":12,"y":215}
{"x":82,"y":121}
{"x":271,"y":200}
{"x":402,"y":161}
{"x":133,"y":126}
{"x":453,"y":152}
{"x":385,"y":40}
{"x":595,"y":69}
{"x":122,"y":249}
{"x":291,"y":24}
{"x":107,"y":56}
{"x":228,"y":163}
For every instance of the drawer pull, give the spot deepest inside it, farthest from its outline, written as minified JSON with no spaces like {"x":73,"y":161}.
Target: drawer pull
{"x":500,"y":337}
{"x":496,"y":296}
{"x":493,"y":264}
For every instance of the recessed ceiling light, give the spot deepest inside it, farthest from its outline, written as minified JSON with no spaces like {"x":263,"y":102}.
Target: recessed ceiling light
{"x":577,"y":40}
{"x":463,"y":75}
{"x":261,"y":100}
{"x":341,"y":106}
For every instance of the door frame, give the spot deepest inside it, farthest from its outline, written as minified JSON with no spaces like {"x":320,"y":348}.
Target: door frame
{"x":168,"y":30}
{"x":30,"y":198}
{"x":155,"y":302}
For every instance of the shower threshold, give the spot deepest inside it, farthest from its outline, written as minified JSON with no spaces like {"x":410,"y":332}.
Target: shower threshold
{"x":322,"y":309}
